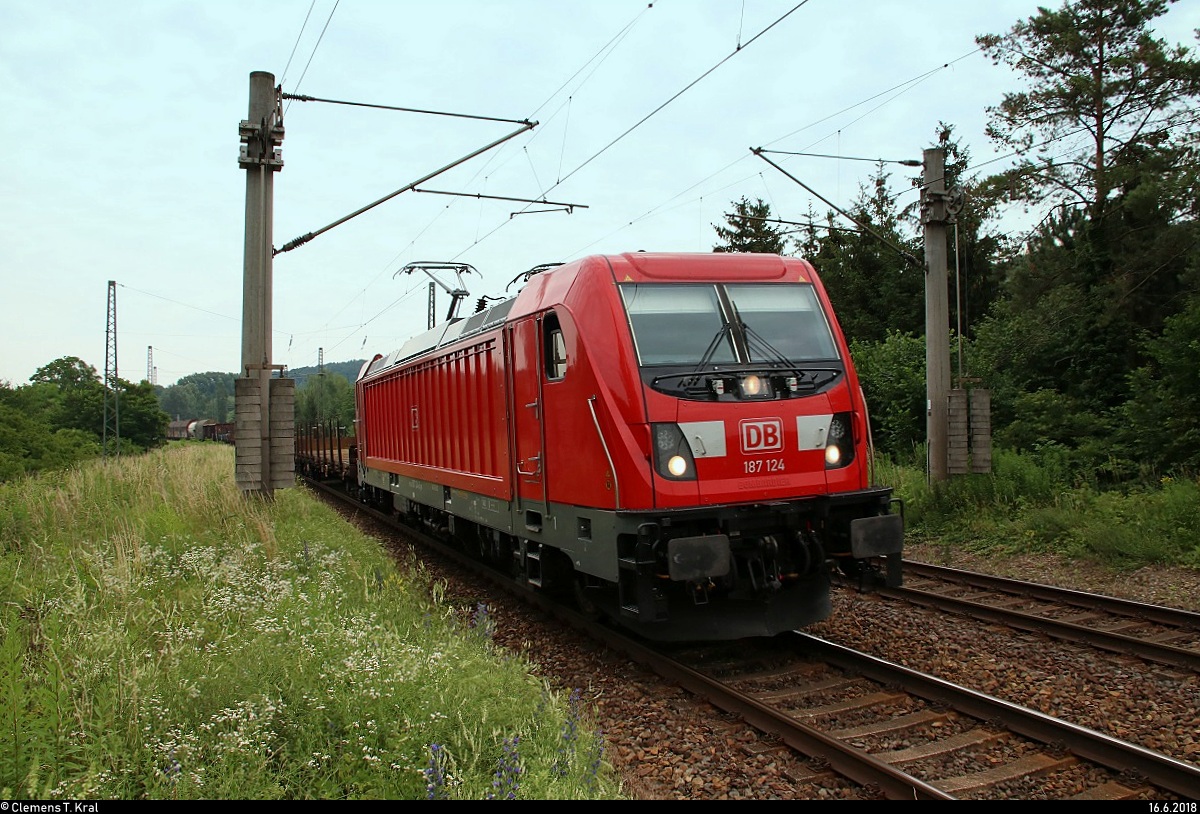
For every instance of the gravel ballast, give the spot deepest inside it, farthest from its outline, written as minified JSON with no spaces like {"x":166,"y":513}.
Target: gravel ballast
{"x":667,"y":745}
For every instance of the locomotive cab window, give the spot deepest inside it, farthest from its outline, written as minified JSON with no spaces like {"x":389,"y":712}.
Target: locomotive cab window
{"x":782,"y":320}
{"x":555,"y":348}
{"x":746,"y":323}
{"x":677,"y":324}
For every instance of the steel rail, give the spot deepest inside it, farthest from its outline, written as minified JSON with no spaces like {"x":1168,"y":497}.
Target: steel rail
{"x":1114,"y":641}
{"x":1161,"y":770}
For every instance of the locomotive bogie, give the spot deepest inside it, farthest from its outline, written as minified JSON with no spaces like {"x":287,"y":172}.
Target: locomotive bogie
{"x":670,"y":576}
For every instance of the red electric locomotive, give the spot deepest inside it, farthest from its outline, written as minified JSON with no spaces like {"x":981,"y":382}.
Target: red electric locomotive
{"x":678,"y":439}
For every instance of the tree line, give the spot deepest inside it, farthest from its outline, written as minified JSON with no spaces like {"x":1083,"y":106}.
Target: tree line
{"x":59,"y":418}
{"x":1086,"y":328}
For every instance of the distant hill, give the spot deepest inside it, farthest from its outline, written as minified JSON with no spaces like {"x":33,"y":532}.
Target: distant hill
{"x":210,"y":395}
{"x":348,"y":369}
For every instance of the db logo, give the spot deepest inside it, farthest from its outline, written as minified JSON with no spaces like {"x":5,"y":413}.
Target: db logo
{"x":761,"y":435}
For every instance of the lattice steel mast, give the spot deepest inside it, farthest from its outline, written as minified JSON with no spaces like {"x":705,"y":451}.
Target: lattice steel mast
{"x":111,"y":439}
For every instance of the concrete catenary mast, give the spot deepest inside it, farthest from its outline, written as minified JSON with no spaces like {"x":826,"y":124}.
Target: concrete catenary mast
{"x":264,"y":406}
{"x":937,"y":312}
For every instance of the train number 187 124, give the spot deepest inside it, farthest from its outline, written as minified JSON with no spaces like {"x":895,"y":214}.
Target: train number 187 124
{"x":764,"y":465}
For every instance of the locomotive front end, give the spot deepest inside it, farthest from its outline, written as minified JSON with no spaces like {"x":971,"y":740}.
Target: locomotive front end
{"x":758,"y":451}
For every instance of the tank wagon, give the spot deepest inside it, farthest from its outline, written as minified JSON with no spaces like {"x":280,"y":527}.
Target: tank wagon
{"x":679,"y":441}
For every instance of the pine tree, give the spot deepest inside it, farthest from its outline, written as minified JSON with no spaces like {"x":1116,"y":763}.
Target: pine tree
{"x":1097,"y":75}
{"x":749,"y":230}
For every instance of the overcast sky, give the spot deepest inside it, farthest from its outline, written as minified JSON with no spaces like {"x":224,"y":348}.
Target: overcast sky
{"x":119,"y":145}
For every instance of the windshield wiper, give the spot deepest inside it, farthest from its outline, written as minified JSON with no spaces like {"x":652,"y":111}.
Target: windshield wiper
{"x":756,"y":344}
{"x":761,"y":347}
{"x":710,"y":351}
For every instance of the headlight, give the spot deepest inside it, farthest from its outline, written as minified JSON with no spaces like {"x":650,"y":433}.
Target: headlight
{"x":755,"y":387}
{"x":672,"y":454}
{"x":839,"y":442}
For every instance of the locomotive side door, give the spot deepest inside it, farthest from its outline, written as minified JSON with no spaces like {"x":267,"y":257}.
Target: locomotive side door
{"x":528,"y":415}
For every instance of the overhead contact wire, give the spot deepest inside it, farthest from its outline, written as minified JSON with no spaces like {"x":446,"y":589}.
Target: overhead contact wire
{"x":688,"y":87}
{"x":647,"y":117}
{"x":303,"y":26}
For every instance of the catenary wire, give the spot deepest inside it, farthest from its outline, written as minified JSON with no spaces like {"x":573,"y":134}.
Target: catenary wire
{"x":647,"y":117}
{"x":304,"y":25}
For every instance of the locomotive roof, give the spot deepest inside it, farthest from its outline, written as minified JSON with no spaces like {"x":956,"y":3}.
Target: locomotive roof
{"x":700,"y":267}
{"x":439,"y":335}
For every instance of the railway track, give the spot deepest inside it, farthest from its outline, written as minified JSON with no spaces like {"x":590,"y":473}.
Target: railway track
{"x":1162,"y":635}
{"x":915,"y":736}
{"x":898,"y":733}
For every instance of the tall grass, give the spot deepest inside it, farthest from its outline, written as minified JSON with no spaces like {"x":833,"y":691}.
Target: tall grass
{"x":164,"y":636}
{"x":1029,"y":503}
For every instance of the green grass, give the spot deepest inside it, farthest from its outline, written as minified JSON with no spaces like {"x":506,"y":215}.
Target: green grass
{"x":1029,"y":504}
{"x":165,"y":636}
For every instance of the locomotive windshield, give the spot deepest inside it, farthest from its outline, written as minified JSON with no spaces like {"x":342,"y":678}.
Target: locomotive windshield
{"x":727,"y":323}
{"x":675,"y":324}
